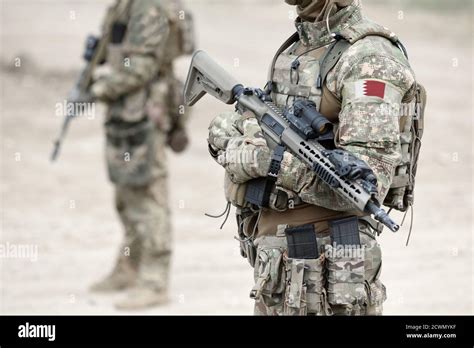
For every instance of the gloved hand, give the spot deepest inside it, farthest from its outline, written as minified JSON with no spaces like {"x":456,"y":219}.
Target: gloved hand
{"x":222,"y":129}
{"x":237,"y":142}
{"x":99,"y":91}
{"x":178,"y":140}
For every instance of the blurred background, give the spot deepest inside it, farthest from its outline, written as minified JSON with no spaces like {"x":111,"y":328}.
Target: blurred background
{"x":66,"y":209}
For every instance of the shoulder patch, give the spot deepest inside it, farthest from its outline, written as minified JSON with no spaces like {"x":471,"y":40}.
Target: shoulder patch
{"x":373,"y":88}
{"x":370,"y":88}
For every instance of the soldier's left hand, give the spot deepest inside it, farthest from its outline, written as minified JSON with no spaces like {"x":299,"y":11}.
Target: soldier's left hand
{"x":222,"y":129}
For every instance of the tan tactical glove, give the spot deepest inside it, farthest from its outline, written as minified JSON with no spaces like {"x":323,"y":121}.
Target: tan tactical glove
{"x":222,"y":129}
{"x":237,"y":143}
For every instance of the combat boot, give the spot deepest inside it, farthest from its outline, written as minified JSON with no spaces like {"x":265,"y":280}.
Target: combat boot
{"x":141,"y":298}
{"x":123,"y":276}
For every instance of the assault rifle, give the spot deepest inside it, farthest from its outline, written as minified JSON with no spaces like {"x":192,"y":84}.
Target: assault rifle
{"x":94,"y":56}
{"x":343,"y":172}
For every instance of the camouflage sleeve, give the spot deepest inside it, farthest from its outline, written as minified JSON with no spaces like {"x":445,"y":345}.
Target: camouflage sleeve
{"x":241,"y":147}
{"x":147,"y":33}
{"x":371,"y":88}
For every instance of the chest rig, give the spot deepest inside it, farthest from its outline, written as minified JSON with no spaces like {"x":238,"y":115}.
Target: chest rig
{"x":294,"y":74}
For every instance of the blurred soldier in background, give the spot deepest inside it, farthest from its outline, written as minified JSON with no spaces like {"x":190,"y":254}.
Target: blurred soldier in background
{"x":357,"y":74}
{"x":145,"y":115}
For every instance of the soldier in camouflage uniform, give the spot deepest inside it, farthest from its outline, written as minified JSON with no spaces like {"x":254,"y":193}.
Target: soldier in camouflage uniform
{"x":145,"y":115}
{"x":369,"y":79}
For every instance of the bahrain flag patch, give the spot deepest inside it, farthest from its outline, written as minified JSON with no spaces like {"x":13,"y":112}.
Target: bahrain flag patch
{"x":370,"y":88}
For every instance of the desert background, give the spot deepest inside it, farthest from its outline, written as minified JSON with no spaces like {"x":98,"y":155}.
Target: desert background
{"x":66,"y":208}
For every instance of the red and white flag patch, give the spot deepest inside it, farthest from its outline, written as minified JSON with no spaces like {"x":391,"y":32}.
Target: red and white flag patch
{"x":370,"y":88}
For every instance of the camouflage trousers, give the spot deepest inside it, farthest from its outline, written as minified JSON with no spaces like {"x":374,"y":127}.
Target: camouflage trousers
{"x":145,"y":215}
{"x":340,"y":282}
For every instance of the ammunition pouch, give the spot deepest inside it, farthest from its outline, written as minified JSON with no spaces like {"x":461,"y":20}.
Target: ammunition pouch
{"x":351,"y":259}
{"x":288,"y":286}
{"x":346,"y":274}
{"x":325,"y":274}
{"x":269,"y":272}
{"x":130,"y":152}
{"x":376,"y":292}
{"x":246,"y":222}
{"x":305,"y":293}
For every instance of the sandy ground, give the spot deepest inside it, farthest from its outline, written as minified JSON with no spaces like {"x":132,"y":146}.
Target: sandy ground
{"x":66,"y":209}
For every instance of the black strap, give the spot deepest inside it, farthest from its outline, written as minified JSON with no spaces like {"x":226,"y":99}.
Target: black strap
{"x":287,"y":44}
{"x":330,"y":59}
{"x":259,"y":190}
{"x":275,"y":164}
{"x":402,"y":47}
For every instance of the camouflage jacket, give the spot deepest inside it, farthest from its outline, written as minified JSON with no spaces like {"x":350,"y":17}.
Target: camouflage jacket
{"x":141,"y":79}
{"x":141,"y":49}
{"x":366,"y":124}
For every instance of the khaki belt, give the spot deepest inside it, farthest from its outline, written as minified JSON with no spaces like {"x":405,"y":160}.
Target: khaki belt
{"x":301,"y":215}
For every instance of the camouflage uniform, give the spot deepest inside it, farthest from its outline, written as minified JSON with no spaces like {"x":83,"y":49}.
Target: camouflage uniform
{"x":145,"y":114}
{"x":364,"y":125}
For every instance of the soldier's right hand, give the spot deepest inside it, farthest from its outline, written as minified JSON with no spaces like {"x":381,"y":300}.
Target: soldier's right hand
{"x":178,"y":140}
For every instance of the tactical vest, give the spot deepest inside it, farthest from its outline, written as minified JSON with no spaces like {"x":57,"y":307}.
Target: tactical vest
{"x":300,"y":72}
{"x":180,"y":41}
{"x":132,"y":107}
{"x":135,"y":119}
